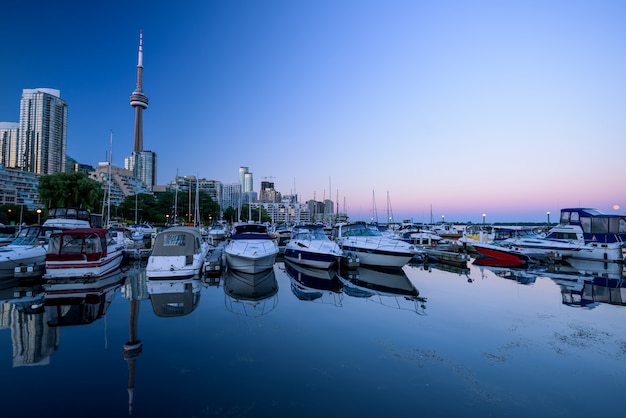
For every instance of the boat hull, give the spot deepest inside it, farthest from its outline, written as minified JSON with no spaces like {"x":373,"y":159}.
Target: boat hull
{"x":314,"y":259}
{"x":82,"y":268}
{"x":251,"y":256}
{"x":379,"y":254}
{"x":508,"y":256}
{"x":174,"y":266}
{"x":10,"y":258}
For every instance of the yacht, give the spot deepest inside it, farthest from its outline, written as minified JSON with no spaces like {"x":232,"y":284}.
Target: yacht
{"x":250,"y":249}
{"x":309,"y":246}
{"x":582,"y":233}
{"x":27,"y":252}
{"x":371,"y":247}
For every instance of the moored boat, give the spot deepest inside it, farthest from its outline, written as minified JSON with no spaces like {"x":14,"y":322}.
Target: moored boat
{"x":371,"y":247}
{"x":82,"y":253}
{"x":582,"y":233}
{"x":250,"y":249}
{"x":179,"y":252}
{"x":310,"y":246}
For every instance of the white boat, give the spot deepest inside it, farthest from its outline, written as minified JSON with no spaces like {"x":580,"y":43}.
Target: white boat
{"x":309,"y":246}
{"x":141,"y":231}
{"x":250,"y":249}
{"x":582,"y":233}
{"x":217,"y":232}
{"x":82,"y":253}
{"x":27,"y":250}
{"x":371,"y":247}
{"x":179,"y":252}
{"x":68,"y":218}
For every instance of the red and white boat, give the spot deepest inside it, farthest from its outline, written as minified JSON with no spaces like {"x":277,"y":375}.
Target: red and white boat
{"x":500,"y":255}
{"x":82,"y":253}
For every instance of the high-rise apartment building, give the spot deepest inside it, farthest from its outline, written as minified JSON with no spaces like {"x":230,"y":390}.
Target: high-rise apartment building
{"x":42,"y":138}
{"x":9,"y":133}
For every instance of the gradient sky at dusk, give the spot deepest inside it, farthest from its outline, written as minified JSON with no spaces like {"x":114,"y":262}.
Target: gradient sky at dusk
{"x":509,"y":108}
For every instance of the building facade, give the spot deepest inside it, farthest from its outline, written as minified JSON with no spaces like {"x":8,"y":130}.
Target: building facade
{"x":9,"y":135}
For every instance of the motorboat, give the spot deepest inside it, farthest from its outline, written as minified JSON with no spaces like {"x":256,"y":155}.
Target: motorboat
{"x":141,"y":231}
{"x":82,"y":253}
{"x":250,"y":249}
{"x":174,"y":297}
{"x":179,"y":252}
{"x":217,"y":232}
{"x":250,"y":294}
{"x":71,"y":302}
{"x":310,"y":246}
{"x":582,"y":233}
{"x":500,"y":255}
{"x":371,"y":247}
{"x":27,"y":251}
{"x":7,"y":234}
{"x":69,"y":218}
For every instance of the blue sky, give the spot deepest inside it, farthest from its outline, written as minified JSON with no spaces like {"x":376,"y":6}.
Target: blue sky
{"x":508,"y":108}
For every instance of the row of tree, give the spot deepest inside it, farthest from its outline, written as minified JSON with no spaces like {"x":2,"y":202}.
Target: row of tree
{"x":78,"y":190}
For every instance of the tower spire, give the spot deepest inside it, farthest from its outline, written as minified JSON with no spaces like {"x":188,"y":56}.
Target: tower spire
{"x":138,"y":100}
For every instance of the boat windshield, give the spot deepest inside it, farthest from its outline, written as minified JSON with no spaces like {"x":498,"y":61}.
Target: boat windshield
{"x":360,"y":230}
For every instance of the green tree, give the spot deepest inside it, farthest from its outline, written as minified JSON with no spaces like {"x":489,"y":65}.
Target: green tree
{"x":230,"y":214}
{"x":70,"y":190}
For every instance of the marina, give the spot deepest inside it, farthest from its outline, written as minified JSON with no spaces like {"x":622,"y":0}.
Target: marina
{"x":299,"y":341}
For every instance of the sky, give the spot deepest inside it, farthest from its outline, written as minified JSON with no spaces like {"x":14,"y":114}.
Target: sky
{"x":406,"y":109}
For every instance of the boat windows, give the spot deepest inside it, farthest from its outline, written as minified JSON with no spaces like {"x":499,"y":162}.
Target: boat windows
{"x":586,"y":225}
{"x":599,"y":226}
{"x":174,"y":240}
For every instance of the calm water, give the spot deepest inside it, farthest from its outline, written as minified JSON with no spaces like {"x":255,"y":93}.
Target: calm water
{"x":479,"y":342}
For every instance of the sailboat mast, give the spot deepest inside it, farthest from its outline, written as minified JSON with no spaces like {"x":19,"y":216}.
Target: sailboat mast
{"x":109,"y":180}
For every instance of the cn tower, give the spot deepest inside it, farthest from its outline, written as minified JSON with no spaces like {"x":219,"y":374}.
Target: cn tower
{"x":139,"y":101}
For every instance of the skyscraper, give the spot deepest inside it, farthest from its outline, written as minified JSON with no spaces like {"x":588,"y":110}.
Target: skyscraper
{"x":9,"y":133}
{"x":42,"y":139}
{"x":143,"y":162}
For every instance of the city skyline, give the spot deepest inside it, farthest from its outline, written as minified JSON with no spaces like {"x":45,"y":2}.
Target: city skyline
{"x":452,"y":109}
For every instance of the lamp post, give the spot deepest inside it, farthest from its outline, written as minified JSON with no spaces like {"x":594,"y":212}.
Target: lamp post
{"x":38,"y":216}
{"x":443,"y":219}
{"x":484,"y":216}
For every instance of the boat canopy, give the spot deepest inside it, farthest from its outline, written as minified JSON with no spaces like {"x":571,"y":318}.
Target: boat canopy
{"x":177,"y":241}
{"x":77,"y":244}
{"x":251,"y":231}
{"x":595,"y":224}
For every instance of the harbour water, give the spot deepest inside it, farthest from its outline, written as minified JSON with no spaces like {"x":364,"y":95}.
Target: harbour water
{"x":430,"y":342}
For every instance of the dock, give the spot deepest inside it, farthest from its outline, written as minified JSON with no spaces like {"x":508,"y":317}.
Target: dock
{"x":456,"y":259}
{"x":214,"y":261}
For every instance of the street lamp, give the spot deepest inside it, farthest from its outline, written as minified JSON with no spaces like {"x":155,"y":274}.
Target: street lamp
{"x":484,"y":215}
{"x":443,"y":219}
{"x":38,"y":216}
{"x":548,"y":213}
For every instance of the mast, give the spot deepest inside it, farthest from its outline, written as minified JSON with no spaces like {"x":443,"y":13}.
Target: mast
{"x":196,"y":216}
{"x":176,"y":200}
{"x":109,"y":180}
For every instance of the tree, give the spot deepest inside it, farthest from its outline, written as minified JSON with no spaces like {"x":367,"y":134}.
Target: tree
{"x":74,"y":189}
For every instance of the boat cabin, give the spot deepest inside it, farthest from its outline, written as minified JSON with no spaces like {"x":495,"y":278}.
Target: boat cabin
{"x":596,"y":226}
{"x":88,"y":244}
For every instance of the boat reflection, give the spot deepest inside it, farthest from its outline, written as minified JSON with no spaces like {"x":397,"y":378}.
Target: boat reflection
{"x":311,"y":284}
{"x":521,"y":276}
{"x":587,"y":284}
{"x":176,"y":297}
{"x":74,"y":302}
{"x":250,"y":294}
{"x":389,"y":287}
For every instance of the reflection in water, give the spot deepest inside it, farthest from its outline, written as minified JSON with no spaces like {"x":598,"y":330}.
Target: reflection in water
{"x":134,"y":290}
{"x":80,"y":302}
{"x":175,"y":297}
{"x":387,"y":287}
{"x":521,"y":276}
{"x":588,"y":283}
{"x":250,"y":294}
{"x":314,"y":284}
{"x":22,"y":311}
